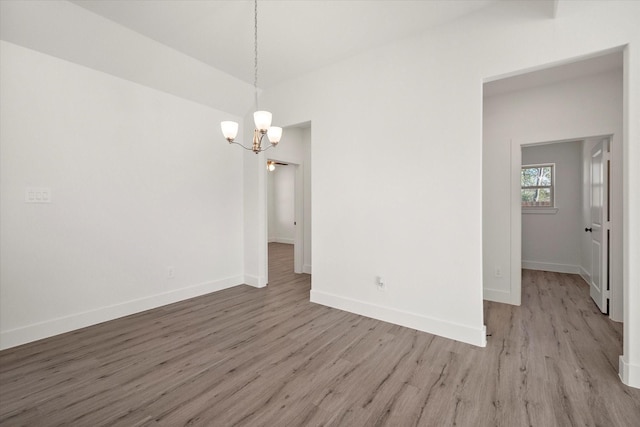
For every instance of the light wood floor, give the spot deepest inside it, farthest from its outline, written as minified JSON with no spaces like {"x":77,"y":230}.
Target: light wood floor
{"x":268,"y":357}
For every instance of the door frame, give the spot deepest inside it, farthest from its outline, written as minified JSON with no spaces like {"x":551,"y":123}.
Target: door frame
{"x":629,"y":369}
{"x":303,"y":185}
{"x":516,"y":146}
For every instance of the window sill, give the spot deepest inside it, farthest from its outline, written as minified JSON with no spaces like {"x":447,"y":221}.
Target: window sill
{"x":543,"y":211}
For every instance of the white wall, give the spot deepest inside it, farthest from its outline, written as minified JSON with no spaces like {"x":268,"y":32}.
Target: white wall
{"x":551,"y":242}
{"x":567,"y":110}
{"x":138,"y":185}
{"x":281,"y":204}
{"x":388,"y":126}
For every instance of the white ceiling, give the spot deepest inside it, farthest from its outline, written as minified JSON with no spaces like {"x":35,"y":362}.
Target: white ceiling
{"x":294,"y":37}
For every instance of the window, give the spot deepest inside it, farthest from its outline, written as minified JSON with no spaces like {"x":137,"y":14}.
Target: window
{"x":536,"y":182}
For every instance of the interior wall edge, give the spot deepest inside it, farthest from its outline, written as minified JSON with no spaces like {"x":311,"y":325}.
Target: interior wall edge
{"x":629,"y":373}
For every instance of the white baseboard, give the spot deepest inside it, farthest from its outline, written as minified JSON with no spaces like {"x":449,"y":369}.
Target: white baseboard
{"x":284,"y":240}
{"x":549,"y":266}
{"x":306,"y":268}
{"x":629,"y":373}
{"x":467,"y":334}
{"x":498,"y":295}
{"x":255,"y":281}
{"x":60,"y":325}
{"x":585,"y":275}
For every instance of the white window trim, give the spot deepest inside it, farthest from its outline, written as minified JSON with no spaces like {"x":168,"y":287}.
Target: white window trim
{"x":544,"y":210}
{"x":547,"y":210}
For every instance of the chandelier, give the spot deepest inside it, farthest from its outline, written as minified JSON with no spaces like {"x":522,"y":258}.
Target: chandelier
{"x":262,"y":119}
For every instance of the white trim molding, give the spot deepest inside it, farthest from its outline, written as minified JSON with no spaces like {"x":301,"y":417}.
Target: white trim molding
{"x":629,"y":373}
{"x":549,"y":266}
{"x":540,"y":211}
{"x":285,"y":240}
{"x":454,"y":331}
{"x":60,"y":325}
{"x":586,"y":276}
{"x":255,"y":281}
{"x":498,"y":295}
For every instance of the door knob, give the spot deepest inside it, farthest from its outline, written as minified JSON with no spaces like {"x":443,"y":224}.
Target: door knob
{"x":588,"y":229}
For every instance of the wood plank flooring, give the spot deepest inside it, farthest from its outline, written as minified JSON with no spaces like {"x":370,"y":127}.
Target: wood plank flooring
{"x":268,"y":357}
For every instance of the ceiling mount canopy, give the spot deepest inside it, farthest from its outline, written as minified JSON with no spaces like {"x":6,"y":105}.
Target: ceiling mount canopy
{"x":262,"y":119}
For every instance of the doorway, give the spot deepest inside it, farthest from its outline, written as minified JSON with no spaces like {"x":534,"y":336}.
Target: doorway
{"x":571,"y":100}
{"x":288,"y":197}
{"x":284,"y":210}
{"x":566,"y":102}
{"x":566,"y":219}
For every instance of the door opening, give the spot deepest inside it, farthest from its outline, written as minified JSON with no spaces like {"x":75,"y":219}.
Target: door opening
{"x":283,"y":216}
{"x":288,"y":198}
{"x":565,"y":189}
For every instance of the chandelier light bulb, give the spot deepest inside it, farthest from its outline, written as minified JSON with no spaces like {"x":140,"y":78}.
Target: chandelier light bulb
{"x":229,"y":130}
{"x":274,"y":134}
{"x":262,"y":120}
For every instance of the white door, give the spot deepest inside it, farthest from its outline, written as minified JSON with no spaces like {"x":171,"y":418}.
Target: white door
{"x":599,"y":227}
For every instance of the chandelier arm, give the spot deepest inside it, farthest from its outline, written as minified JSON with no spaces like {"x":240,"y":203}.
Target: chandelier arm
{"x":251,"y":148}
{"x":237,"y":143}
{"x":265,"y":149}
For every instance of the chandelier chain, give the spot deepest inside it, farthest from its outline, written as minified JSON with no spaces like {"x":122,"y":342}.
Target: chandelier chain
{"x":262,"y":119}
{"x":255,"y":52}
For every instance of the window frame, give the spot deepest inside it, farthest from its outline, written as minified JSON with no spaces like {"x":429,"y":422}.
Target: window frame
{"x":552,"y":190}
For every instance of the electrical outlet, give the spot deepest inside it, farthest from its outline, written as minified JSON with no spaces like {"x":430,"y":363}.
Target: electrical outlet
{"x":497,"y":272}
{"x":380,"y":284}
{"x":37,"y":195}
{"x":171,"y":272}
